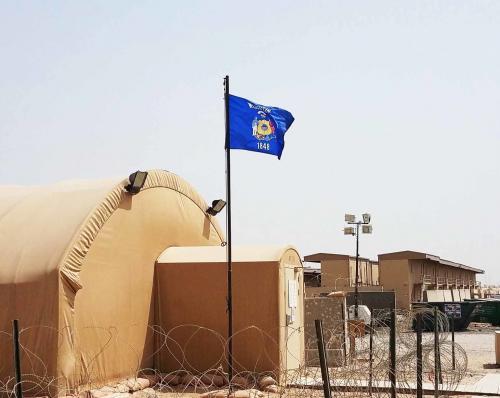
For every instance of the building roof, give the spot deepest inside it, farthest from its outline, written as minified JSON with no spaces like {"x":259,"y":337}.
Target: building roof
{"x":318,"y":257}
{"x":217,"y":254}
{"x":312,"y":268}
{"x":413,"y":255}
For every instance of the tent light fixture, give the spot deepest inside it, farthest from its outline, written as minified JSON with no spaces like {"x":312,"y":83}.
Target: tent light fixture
{"x":366,"y":218}
{"x":136,"y":182}
{"x":216,"y":208}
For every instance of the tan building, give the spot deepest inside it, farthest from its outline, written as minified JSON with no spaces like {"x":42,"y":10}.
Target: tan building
{"x":338,"y":271}
{"x":268,"y":312}
{"x":417,"y":277}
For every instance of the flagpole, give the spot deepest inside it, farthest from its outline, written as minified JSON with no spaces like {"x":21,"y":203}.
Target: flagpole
{"x":228,"y":230}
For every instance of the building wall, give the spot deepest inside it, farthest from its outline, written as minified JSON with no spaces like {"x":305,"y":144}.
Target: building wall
{"x":361,"y":270}
{"x":440,"y":273}
{"x":335,"y":274}
{"x":395,"y":275}
{"x":332,"y":312}
{"x":375,"y":301}
{"x":341,"y":273}
{"x":432,"y":281}
{"x":267,"y":327}
{"x":367,"y":275}
{"x":375,"y":274}
{"x":255,"y":303}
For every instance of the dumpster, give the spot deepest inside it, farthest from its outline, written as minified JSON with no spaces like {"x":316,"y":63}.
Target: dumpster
{"x":462,"y":311}
{"x":487,"y":311}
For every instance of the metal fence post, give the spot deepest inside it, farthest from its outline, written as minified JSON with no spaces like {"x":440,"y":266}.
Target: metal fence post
{"x":419,"y":356}
{"x":370,"y":375}
{"x":344,"y":337}
{"x":453,"y":363}
{"x":437,"y":355}
{"x":17,"y":358}
{"x":327,"y":389}
{"x":392,"y":344}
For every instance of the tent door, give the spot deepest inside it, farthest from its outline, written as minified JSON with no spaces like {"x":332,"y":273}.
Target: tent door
{"x":293,"y":311}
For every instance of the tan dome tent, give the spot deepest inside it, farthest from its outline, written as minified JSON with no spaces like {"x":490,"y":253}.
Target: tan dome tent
{"x":76,"y":268}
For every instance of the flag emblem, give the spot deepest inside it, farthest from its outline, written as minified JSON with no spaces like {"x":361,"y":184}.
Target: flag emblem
{"x":263,"y":127}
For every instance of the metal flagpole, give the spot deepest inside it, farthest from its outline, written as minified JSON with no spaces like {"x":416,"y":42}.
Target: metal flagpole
{"x":228,"y":234}
{"x":356,"y":283}
{"x":17,"y":360}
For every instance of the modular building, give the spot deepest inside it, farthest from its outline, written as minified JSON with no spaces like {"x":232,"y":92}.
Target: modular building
{"x":267,"y":297}
{"x":338,"y":271}
{"x":422,"y":277}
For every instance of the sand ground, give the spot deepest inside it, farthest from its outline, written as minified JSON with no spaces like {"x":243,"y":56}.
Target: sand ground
{"x":480,"y":348}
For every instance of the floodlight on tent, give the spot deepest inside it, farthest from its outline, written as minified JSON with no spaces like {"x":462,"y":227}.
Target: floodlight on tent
{"x":350,"y":218}
{"x":349,"y":231}
{"x":137,"y":181}
{"x":217,"y":206}
{"x":366,"y":218}
{"x":367,"y":229}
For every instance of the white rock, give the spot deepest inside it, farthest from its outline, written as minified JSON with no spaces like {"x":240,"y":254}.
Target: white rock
{"x":122,"y":388}
{"x":266,"y":381}
{"x":136,"y":384}
{"x":250,"y":393}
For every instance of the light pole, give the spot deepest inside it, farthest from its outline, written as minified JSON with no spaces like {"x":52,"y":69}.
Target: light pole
{"x":366,"y":229}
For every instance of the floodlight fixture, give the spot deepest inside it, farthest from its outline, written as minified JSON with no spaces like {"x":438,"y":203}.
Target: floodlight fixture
{"x":367,"y":229}
{"x":350,"y":218}
{"x":366,"y":218}
{"x":349,"y":231}
{"x":136,"y":182}
{"x":216,"y":208}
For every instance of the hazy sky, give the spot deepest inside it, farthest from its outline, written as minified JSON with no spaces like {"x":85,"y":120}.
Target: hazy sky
{"x":397,"y":108}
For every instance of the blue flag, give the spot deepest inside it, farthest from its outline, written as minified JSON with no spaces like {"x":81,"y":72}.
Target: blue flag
{"x":257,"y":128}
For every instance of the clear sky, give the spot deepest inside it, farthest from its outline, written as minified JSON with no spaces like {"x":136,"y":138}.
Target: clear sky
{"x":397,"y":108}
